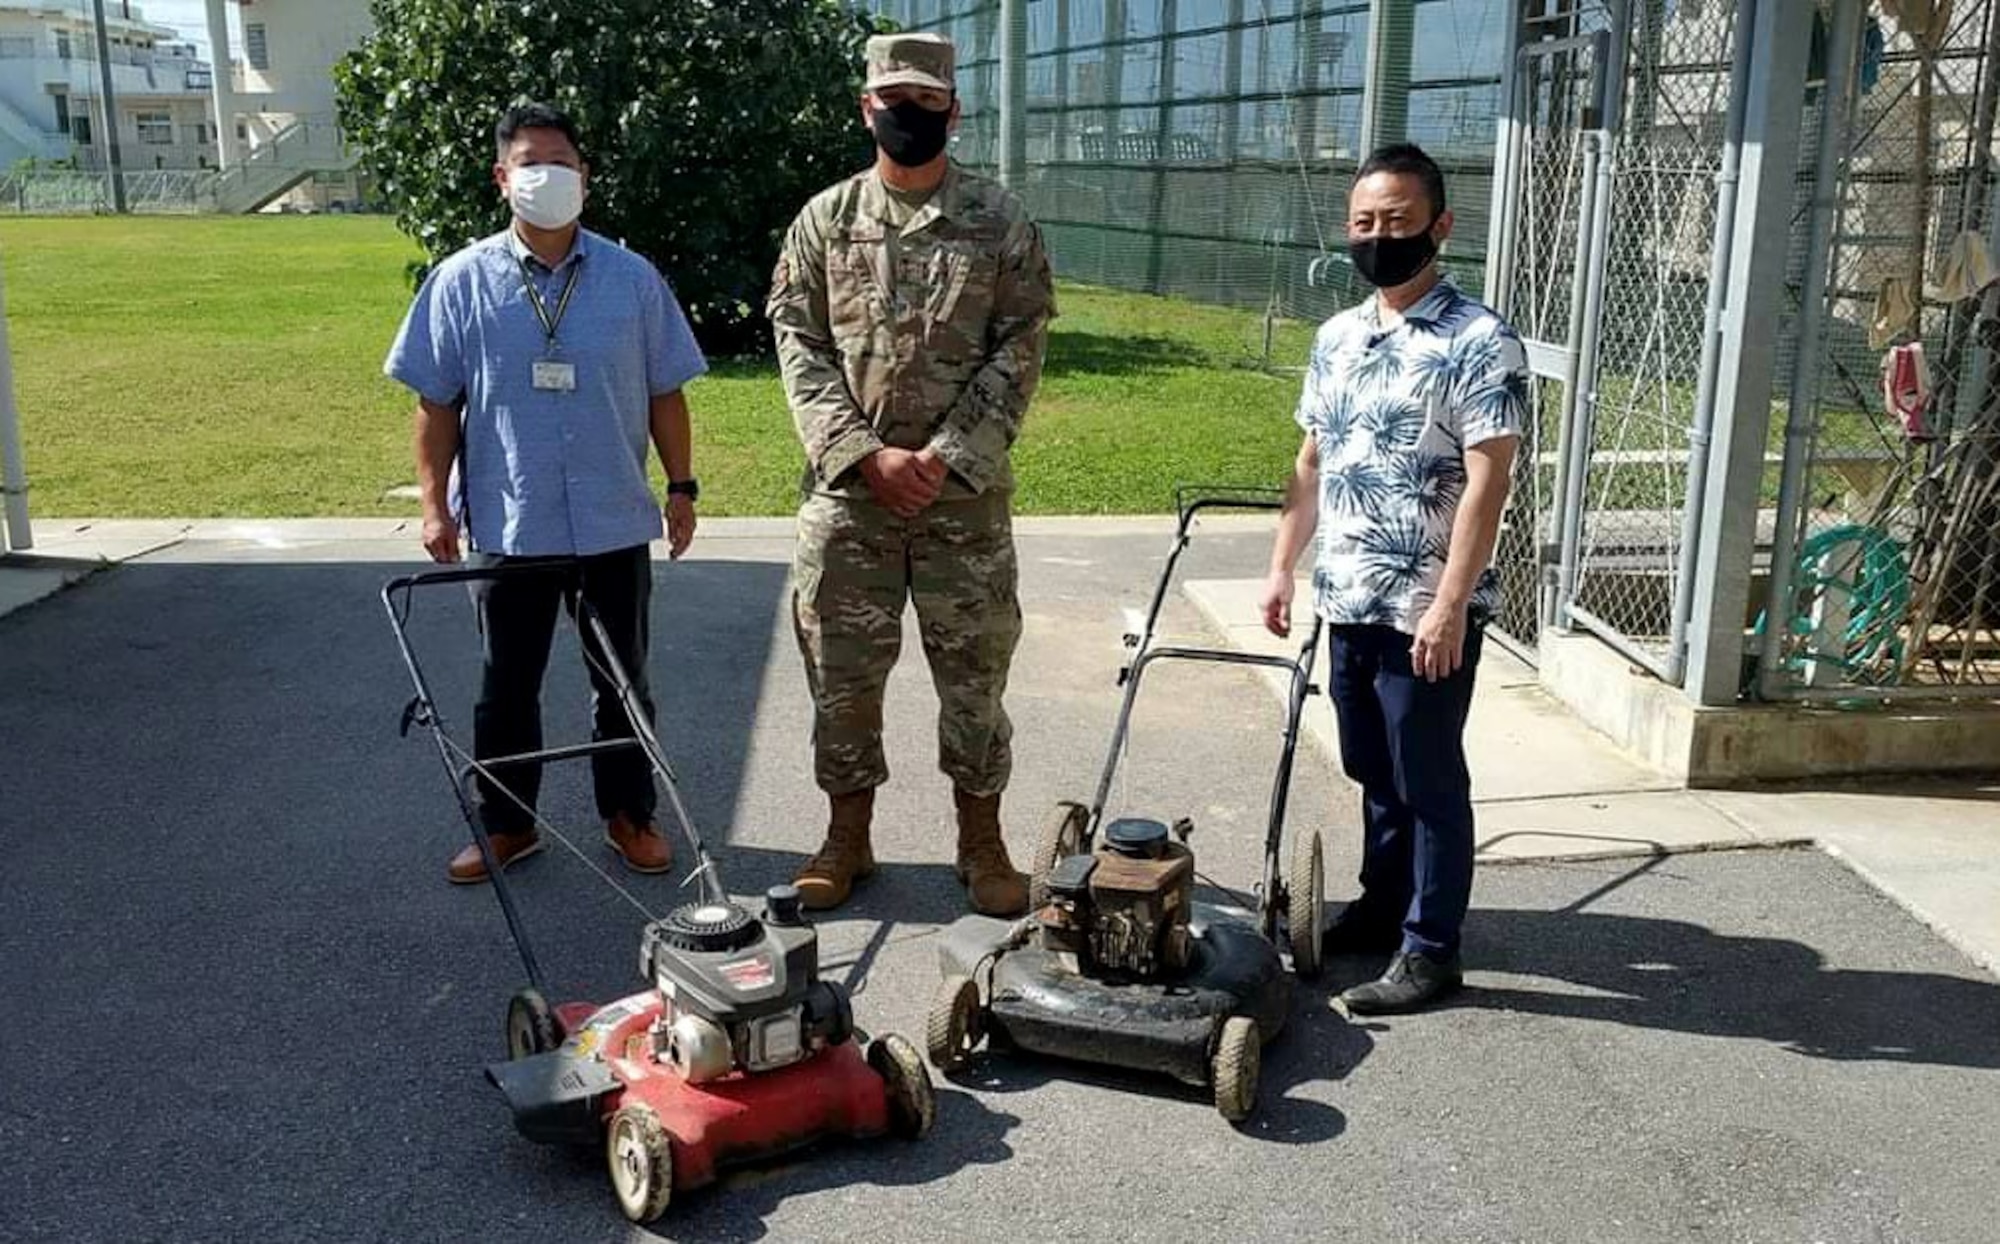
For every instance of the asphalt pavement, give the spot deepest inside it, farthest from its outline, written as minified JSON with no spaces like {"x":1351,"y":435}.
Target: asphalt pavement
{"x":244,"y":1005}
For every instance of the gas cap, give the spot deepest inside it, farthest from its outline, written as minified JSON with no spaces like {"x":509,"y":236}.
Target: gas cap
{"x":1137,"y":838}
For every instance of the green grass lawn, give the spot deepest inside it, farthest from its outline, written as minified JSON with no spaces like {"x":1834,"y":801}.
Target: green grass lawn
{"x":212,"y":367}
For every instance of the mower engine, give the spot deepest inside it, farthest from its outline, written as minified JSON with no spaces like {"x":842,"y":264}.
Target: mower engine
{"x":739,"y":993}
{"x":1123,"y":911}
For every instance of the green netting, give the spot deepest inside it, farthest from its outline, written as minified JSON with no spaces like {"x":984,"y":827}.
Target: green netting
{"x":1203,"y":148}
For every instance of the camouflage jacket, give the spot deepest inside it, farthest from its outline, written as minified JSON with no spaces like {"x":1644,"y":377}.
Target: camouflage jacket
{"x":932,"y":336}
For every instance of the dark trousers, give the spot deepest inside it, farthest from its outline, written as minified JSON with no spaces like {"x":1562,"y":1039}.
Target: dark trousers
{"x":1403,"y":740}
{"x":517,"y":623}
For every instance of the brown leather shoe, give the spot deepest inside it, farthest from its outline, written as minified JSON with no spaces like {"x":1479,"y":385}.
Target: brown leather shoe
{"x":845,"y":857}
{"x":644,"y":848}
{"x":990,"y":880}
{"x":468,"y":867}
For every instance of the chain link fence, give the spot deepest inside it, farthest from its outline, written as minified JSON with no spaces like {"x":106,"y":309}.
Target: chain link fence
{"x":1886,"y":580}
{"x":1544,"y":244}
{"x":1202,"y":149}
{"x":63,"y":193}
{"x":1625,"y":574}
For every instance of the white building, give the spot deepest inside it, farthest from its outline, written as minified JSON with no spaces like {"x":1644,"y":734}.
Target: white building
{"x":50,"y":102}
{"x":281,"y":135}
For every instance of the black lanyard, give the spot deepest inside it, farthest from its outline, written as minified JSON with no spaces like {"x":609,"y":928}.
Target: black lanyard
{"x":551,"y":321}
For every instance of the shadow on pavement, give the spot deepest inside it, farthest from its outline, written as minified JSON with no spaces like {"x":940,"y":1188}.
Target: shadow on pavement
{"x":1682,"y":977}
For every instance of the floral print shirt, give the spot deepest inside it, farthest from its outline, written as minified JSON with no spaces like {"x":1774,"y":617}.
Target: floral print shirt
{"x":1393,"y":409}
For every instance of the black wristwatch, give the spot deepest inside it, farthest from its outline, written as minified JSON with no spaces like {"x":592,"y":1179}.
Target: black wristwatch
{"x":689,"y":488}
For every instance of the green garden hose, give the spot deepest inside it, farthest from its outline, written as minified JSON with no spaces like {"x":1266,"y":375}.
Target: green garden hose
{"x":1878,"y":596}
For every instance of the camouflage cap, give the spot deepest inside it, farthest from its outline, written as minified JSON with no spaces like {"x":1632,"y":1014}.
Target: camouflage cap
{"x":910,"y":60}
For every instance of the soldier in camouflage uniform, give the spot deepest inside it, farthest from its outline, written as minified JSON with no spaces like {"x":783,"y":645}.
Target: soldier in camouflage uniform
{"x":911,"y":304}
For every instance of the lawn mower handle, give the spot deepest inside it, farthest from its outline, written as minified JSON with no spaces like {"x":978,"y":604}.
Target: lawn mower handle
{"x":1189,"y":501}
{"x":396,"y":595}
{"x":422,"y":710}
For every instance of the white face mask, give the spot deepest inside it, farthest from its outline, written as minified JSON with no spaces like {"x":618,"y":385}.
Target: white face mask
{"x":547,"y":196}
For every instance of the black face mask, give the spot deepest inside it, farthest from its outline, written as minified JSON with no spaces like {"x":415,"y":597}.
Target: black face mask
{"x":911,"y":134}
{"x":1388,"y":262}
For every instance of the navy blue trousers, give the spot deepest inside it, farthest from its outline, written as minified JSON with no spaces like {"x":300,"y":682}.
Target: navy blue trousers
{"x":1403,"y":740}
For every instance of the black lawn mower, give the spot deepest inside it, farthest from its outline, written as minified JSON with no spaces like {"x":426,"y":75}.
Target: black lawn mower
{"x":1116,"y":962}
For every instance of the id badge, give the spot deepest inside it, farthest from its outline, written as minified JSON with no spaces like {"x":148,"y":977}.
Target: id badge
{"x":555,"y":377}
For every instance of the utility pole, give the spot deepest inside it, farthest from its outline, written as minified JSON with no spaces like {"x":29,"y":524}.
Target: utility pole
{"x":110,"y":96}
{"x":17,"y":537}
{"x":222,"y":86}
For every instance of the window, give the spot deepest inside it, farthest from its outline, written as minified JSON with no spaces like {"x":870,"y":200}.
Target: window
{"x":197,"y":134}
{"x":79,"y":129}
{"x":156,"y":129}
{"x":62,"y":113}
{"x":63,"y":49}
{"x":256,"y":46}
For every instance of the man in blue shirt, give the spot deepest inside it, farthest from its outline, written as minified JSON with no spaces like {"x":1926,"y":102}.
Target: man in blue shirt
{"x":1412,"y":408}
{"x":544,"y":360}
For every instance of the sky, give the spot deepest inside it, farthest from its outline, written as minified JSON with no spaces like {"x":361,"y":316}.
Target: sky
{"x":191,"y":16}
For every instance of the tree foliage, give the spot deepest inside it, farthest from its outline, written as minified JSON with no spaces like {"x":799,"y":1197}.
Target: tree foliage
{"x":707,"y":124}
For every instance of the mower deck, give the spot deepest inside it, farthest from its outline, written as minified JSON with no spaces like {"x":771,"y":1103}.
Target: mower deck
{"x":565,"y":1096}
{"x":1040,"y":1005}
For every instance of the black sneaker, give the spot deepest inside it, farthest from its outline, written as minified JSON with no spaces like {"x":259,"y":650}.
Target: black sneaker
{"x":1413,"y":981}
{"x":1358,"y":932}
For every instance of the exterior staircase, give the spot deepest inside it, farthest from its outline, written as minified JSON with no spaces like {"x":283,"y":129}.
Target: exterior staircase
{"x":265,"y":172}
{"x":35,"y":142}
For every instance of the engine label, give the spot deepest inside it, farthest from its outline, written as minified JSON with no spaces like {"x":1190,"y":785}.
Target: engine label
{"x":745,"y":975}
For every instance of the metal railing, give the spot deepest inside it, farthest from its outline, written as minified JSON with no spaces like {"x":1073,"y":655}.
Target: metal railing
{"x":64,"y":193}
{"x":309,"y":145}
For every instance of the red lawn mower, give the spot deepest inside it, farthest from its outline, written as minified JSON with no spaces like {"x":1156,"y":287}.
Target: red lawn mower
{"x":736,"y":1051}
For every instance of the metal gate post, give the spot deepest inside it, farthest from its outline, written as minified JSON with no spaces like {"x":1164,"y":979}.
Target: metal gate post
{"x":1780,"y":34}
{"x":1586,"y":305}
{"x":1506,"y":171}
{"x":1700,"y":433}
{"x":1842,"y":64}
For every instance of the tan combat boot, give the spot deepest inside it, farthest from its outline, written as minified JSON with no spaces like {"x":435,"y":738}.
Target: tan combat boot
{"x":845,"y":857}
{"x":988,"y":875}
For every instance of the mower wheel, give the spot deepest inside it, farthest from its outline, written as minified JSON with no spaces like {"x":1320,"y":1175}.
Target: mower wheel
{"x":912,"y":1106}
{"x":1305,"y":888}
{"x":1239,"y":1058}
{"x":1062,"y":837}
{"x":955,"y":1025}
{"x":641,"y":1160}
{"x":531,"y":1025}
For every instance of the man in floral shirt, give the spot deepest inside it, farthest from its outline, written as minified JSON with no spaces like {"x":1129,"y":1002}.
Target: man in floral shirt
{"x":1412,"y":408}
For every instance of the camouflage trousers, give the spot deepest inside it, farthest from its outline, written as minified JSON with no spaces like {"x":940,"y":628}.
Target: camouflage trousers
{"x":855,"y":567}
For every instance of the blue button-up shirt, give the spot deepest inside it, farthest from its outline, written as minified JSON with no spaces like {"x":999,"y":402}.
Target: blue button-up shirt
{"x":543,"y":472}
